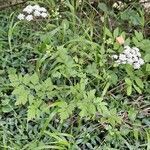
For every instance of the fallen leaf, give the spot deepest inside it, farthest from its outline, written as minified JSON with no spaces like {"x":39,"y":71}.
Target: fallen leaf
{"x":120,"y":40}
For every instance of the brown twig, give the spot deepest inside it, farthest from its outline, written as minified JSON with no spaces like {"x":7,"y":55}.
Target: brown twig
{"x":115,"y":88}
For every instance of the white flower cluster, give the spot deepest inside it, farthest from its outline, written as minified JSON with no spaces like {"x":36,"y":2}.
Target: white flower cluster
{"x":30,"y":12}
{"x":119,"y":5}
{"x":130,"y":56}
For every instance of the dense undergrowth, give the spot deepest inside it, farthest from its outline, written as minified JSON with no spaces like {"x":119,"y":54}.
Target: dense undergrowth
{"x":59,"y":86}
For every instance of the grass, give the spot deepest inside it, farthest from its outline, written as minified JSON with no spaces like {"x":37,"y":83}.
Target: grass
{"x":59,"y":87}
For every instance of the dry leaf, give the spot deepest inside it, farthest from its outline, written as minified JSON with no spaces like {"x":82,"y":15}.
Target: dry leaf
{"x":120,"y":40}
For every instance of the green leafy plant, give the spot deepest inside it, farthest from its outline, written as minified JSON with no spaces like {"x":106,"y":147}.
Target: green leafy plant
{"x":59,"y":86}
{"x":28,"y":89}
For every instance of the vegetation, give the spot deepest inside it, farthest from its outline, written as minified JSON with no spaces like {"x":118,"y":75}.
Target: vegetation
{"x":60,"y":87}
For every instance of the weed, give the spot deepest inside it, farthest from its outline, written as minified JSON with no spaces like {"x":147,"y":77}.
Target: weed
{"x":59,"y":86}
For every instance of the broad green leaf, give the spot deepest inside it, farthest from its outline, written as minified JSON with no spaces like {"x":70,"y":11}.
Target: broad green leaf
{"x":83,"y":111}
{"x":102,"y":107}
{"x":26,"y":79}
{"x":135,"y":41}
{"x":139,"y":82}
{"x":145,"y":45}
{"x":65,"y":24}
{"x":132,"y":114}
{"x":14,"y":80}
{"x":108,"y":32}
{"x":128,"y":81}
{"x":91,"y":69}
{"x":92,"y":109}
{"x":48,"y":84}
{"x":129,"y":90}
{"x":139,"y":36}
{"x":137,"y":89}
{"x":103,"y":7}
{"x":90,"y":95}
{"x":31,"y":99}
{"x":31,"y":112}
{"x":105,"y":89}
{"x":148,"y":139}
{"x":20,"y":77}
{"x":6,"y":109}
{"x":49,"y":147}
{"x":127,"y":41}
{"x":113,"y":77}
{"x":21,"y":95}
{"x":65,"y":110}
{"x":136,"y":133}
{"x":34,"y":79}
{"x":124,"y":129}
{"x":56,"y":74}
{"x":116,"y":32}
{"x":130,"y":71}
{"x":59,"y":138}
{"x":147,"y":58}
{"x":148,"y":67}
